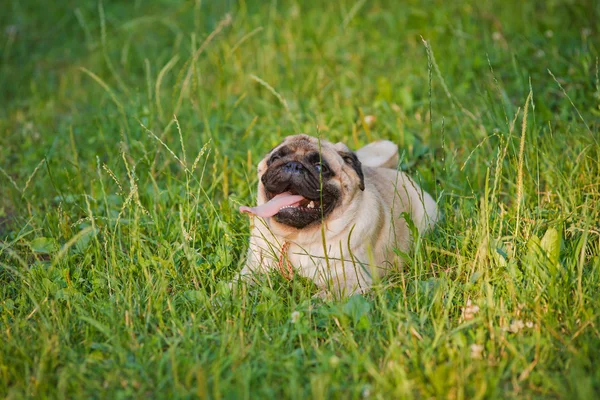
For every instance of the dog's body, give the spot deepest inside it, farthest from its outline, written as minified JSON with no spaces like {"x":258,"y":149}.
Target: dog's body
{"x":362,"y":219}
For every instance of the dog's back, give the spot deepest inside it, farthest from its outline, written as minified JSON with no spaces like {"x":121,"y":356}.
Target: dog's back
{"x":402,"y":194}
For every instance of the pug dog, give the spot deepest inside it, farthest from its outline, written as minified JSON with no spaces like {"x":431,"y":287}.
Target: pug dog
{"x":332,"y":215}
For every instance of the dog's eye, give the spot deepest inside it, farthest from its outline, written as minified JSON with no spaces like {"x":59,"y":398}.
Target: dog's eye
{"x":321,"y":168}
{"x":273,"y":158}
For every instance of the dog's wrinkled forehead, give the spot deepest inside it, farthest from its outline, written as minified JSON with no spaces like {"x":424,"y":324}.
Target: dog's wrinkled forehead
{"x":302,"y":144}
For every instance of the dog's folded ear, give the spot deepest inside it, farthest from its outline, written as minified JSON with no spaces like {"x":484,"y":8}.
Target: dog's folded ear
{"x":380,"y":154}
{"x":352,"y":160}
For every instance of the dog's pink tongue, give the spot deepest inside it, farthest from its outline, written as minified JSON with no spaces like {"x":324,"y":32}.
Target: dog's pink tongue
{"x":273,"y":206}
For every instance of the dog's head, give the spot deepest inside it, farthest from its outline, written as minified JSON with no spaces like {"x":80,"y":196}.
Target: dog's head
{"x":327,"y":176}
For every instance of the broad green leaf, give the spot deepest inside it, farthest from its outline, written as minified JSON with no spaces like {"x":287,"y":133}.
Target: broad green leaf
{"x":533,"y":249}
{"x":356,"y":308}
{"x":551,"y":244}
{"x":43,"y":245}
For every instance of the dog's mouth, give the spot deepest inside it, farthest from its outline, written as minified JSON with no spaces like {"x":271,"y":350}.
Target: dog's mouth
{"x":295,"y":210}
{"x":285,"y":203}
{"x":299,"y":211}
{"x":303,"y":205}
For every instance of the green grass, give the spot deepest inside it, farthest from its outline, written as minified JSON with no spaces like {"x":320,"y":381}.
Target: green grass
{"x":119,"y":224}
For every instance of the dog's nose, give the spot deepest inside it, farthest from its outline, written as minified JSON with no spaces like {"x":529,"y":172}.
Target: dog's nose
{"x":293,"y":167}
